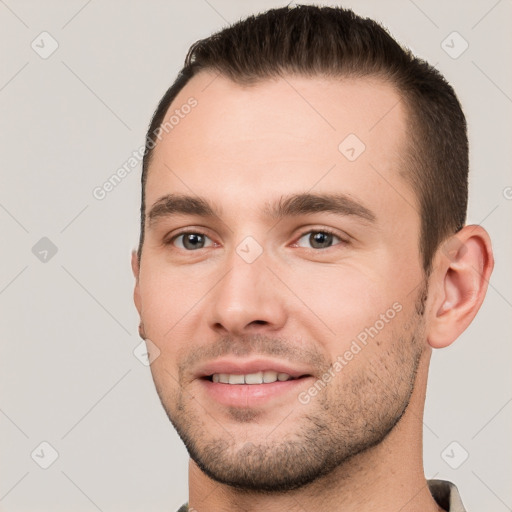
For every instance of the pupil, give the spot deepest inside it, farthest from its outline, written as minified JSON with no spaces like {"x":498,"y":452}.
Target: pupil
{"x":192,"y":241}
{"x":321,"y":239}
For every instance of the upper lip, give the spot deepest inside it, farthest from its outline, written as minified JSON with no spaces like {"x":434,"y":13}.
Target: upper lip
{"x":245,"y":366}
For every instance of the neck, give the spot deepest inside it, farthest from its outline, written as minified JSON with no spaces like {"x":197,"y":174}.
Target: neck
{"x":385,"y":478}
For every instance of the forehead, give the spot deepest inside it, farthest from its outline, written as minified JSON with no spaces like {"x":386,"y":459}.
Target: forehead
{"x":290,"y":134}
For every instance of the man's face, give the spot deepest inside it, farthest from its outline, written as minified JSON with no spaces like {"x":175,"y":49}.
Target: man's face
{"x":323,"y":289}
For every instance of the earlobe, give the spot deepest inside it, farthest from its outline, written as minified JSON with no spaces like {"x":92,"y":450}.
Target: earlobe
{"x":136,"y":271}
{"x":461,"y":274}
{"x":135,"y":264}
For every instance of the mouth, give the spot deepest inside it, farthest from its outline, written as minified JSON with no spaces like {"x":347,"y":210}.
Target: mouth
{"x":252,"y":383}
{"x":261,"y":377}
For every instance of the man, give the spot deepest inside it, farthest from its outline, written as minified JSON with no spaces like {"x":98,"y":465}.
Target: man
{"x":303,"y":249}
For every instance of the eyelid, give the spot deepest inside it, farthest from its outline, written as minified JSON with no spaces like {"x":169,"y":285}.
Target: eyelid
{"x":169,"y":240}
{"x":343,"y":237}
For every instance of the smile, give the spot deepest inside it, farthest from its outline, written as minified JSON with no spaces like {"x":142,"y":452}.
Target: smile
{"x":263,"y":377}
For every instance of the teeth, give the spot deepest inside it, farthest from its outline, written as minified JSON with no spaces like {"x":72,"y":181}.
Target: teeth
{"x":269,"y":376}
{"x":236,"y":379}
{"x":254,"y":378}
{"x":265,"y":377}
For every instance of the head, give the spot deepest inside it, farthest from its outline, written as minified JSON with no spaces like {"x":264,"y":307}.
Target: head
{"x":292,"y":221}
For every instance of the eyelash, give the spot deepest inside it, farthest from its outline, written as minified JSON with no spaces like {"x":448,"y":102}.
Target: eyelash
{"x":343,"y":241}
{"x":186,"y":232}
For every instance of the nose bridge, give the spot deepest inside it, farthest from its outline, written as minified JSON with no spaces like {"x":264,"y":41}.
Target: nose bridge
{"x":244,"y":285}
{"x":246,"y":296}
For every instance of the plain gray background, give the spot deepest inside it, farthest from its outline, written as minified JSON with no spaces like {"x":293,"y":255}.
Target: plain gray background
{"x":68,"y":375}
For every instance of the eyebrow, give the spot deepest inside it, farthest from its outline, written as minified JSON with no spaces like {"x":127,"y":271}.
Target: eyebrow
{"x":287,"y":206}
{"x":179,"y":204}
{"x":304,"y":204}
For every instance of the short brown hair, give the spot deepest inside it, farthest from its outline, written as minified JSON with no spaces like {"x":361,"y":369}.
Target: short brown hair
{"x":310,"y":40}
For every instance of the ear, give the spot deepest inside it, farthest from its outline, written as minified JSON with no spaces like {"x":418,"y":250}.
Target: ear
{"x":136,"y":270}
{"x":462,"y":268}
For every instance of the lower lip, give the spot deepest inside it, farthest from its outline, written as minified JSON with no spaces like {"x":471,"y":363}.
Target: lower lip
{"x":250,"y":395}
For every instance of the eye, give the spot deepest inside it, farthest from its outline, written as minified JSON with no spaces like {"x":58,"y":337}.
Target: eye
{"x":191,"y":241}
{"x":320,"y":239}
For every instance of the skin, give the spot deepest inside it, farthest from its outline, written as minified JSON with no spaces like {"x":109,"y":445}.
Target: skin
{"x":242,"y":148}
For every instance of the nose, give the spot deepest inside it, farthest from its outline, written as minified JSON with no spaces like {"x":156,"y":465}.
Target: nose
{"x":246,"y":300}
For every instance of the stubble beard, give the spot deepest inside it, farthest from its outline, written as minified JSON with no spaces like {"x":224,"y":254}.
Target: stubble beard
{"x":355,"y":412}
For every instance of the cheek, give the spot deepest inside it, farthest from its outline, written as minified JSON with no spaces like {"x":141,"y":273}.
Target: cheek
{"x":168,"y":299}
{"x":166,"y":310}
{"x":347,"y":298}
